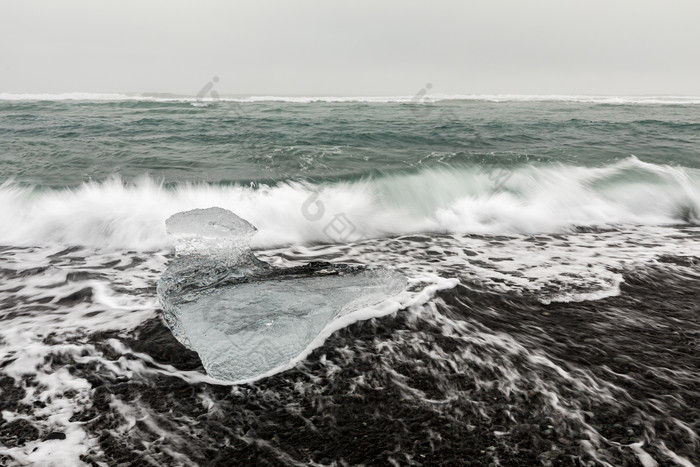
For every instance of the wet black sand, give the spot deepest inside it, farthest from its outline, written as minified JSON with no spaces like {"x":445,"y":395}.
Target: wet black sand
{"x":406,"y":390}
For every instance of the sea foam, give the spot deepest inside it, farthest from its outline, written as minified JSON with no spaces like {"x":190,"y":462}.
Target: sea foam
{"x":522,"y":200}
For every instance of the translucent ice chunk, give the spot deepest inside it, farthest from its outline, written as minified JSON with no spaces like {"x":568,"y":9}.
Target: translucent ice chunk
{"x":247,"y":329}
{"x":244,"y":317}
{"x":209,"y":230}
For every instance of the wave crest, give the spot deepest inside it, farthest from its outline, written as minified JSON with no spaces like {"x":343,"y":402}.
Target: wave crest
{"x":467,"y":199}
{"x":161,"y":97}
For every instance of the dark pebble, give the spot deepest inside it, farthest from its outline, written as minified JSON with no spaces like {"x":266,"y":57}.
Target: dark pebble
{"x":550,"y":454}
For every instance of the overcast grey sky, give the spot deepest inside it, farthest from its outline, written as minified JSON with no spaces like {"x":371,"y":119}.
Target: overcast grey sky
{"x":358,"y":47}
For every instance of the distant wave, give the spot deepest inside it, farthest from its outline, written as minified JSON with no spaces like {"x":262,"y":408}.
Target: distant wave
{"x":74,"y":96}
{"x":667,"y":100}
{"x":530,"y":199}
{"x":116,"y":97}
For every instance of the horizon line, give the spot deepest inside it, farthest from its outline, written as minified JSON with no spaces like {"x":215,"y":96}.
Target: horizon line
{"x":421,"y":97}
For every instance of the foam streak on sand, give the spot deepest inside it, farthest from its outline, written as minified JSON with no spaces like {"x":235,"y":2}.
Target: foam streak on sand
{"x":77,"y":338}
{"x":469,"y":329}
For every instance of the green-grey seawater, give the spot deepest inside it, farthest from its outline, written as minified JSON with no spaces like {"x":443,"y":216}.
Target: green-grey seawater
{"x":108,"y":173}
{"x":64,"y":143}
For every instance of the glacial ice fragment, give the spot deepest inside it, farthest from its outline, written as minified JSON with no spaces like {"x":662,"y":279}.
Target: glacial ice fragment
{"x":244,"y":317}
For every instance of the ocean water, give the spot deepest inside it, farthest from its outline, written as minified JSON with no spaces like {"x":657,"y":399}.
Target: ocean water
{"x":549,"y":245}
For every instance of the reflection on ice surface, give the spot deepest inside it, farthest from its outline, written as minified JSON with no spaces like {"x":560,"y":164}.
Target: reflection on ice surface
{"x":244,"y":317}
{"x":244,"y":330}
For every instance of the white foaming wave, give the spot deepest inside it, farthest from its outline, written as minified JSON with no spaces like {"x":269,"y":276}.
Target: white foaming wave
{"x":108,"y":97}
{"x":427,"y":98}
{"x":87,"y":96}
{"x":586,"y":99}
{"x":533,"y":199}
{"x":72,"y":96}
{"x":331,"y":99}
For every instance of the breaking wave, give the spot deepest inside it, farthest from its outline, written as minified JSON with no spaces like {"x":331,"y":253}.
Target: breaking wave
{"x":466,"y":199}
